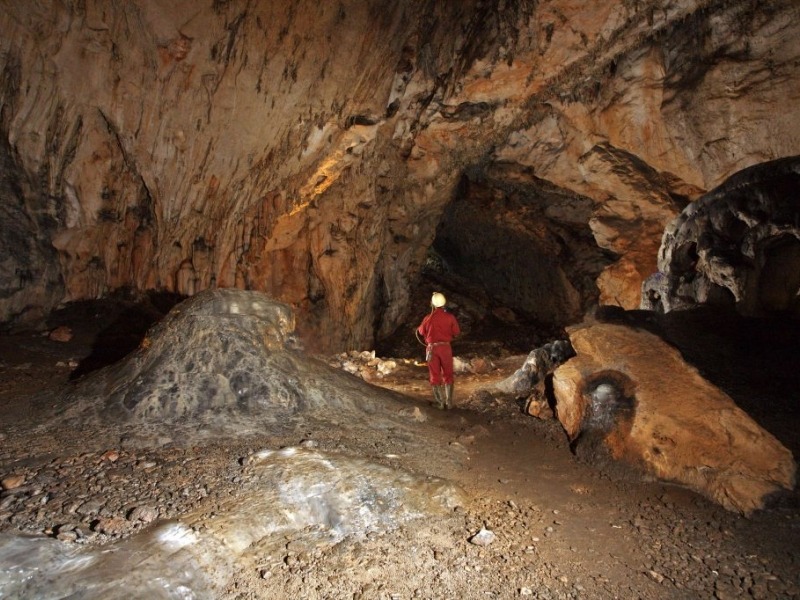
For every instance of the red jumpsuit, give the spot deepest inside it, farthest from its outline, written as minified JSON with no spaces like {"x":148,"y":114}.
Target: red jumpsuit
{"x":437,"y":329}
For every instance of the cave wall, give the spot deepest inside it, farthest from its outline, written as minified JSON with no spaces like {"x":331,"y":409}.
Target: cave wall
{"x":309,"y":149}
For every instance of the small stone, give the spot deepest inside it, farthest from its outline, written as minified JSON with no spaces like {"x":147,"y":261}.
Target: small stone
{"x":111,"y":456}
{"x":90,"y":507}
{"x":61,"y":334}
{"x":386,"y":367}
{"x":110,"y":525}
{"x":524,"y":591}
{"x":483,"y":538}
{"x":145,"y":514}
{"x":655,"y":576}
{"x":12,"y":482}
{"x":480,"y":366}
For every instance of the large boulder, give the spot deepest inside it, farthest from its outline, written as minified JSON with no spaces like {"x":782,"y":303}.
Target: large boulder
{"x":633,"y":394}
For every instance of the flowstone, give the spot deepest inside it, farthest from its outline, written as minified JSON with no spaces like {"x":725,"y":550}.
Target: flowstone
{"x":294,"y":492}
{"x":223,"y":361}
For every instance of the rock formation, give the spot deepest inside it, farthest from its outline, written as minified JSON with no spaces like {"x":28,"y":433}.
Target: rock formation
{"x":309,"y":149}
{"x":529,"y":381}
{"x":224,"y":360}
{"x":633,"y":395}
{"x":739,"y":244}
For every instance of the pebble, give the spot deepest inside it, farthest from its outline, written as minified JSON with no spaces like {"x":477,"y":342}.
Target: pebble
{"x":484,"y":537}
{"x":12,"y":482}
{"x":61,"y":334}
{"x":111,"y":456}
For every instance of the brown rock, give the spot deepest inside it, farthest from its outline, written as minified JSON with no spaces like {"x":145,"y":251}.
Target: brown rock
{"x":655,"y":411}
{"x":111,"y":456}
{"x":539,"y":408}
{"x":298,"y":198}
{"x":111,"y":525}
{"x":480,"y":366}
{"x":61,"y":334}
{"x":146,"y":514}
{"x":12,"y":482}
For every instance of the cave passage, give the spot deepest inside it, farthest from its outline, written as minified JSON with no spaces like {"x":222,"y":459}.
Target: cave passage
{"x":516,"y":259}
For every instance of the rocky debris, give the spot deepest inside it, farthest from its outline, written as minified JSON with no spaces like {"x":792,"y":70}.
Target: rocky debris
{"x":739,"y":244}
{"x":319,"y":498}
{"x":365,"y":364}
{"x":631,"y":394}
{"x":89,"y":498}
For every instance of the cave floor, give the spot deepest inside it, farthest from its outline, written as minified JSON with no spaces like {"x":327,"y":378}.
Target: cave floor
{"x":563,"y":528}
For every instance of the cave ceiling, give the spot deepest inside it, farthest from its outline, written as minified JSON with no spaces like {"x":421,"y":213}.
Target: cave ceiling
{"x":311,"y":150}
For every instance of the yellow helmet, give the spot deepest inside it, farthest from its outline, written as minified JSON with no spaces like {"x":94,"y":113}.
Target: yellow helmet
{"x":438,"y":300}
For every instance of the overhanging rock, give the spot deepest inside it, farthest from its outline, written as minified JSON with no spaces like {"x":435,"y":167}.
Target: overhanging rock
{"x":651,"y":409}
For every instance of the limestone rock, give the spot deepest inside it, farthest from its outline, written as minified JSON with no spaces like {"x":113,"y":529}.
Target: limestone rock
{"x":180,"y":147}
{"x":738,"y":244}
{"x":634,"y":393}
{"x":224,"y":360}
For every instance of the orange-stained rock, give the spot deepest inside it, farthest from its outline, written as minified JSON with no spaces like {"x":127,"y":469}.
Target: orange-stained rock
{"x":655,"y":411}
{"x":61,"y":334}
{"x":309,"y":149}
{"x":12,"y":482}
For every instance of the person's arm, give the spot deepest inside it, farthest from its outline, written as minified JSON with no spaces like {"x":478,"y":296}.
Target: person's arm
{"x":455,"y":328}
{"x":423,"y":327}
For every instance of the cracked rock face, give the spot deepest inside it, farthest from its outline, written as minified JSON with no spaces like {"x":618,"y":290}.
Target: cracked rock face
{"x":309,"y":149}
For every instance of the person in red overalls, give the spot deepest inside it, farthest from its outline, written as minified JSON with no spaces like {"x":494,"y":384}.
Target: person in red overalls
{"x":437,"y":329}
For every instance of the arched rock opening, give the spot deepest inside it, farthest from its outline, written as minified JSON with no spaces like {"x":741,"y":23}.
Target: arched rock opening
{"x":520,"y":246}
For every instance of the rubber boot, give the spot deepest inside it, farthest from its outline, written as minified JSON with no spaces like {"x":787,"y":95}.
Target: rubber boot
{"x":439,"y":396}
{"x":448,"y":396}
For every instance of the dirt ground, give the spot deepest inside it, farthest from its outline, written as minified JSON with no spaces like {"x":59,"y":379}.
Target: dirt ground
{"x":563,"y":529}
